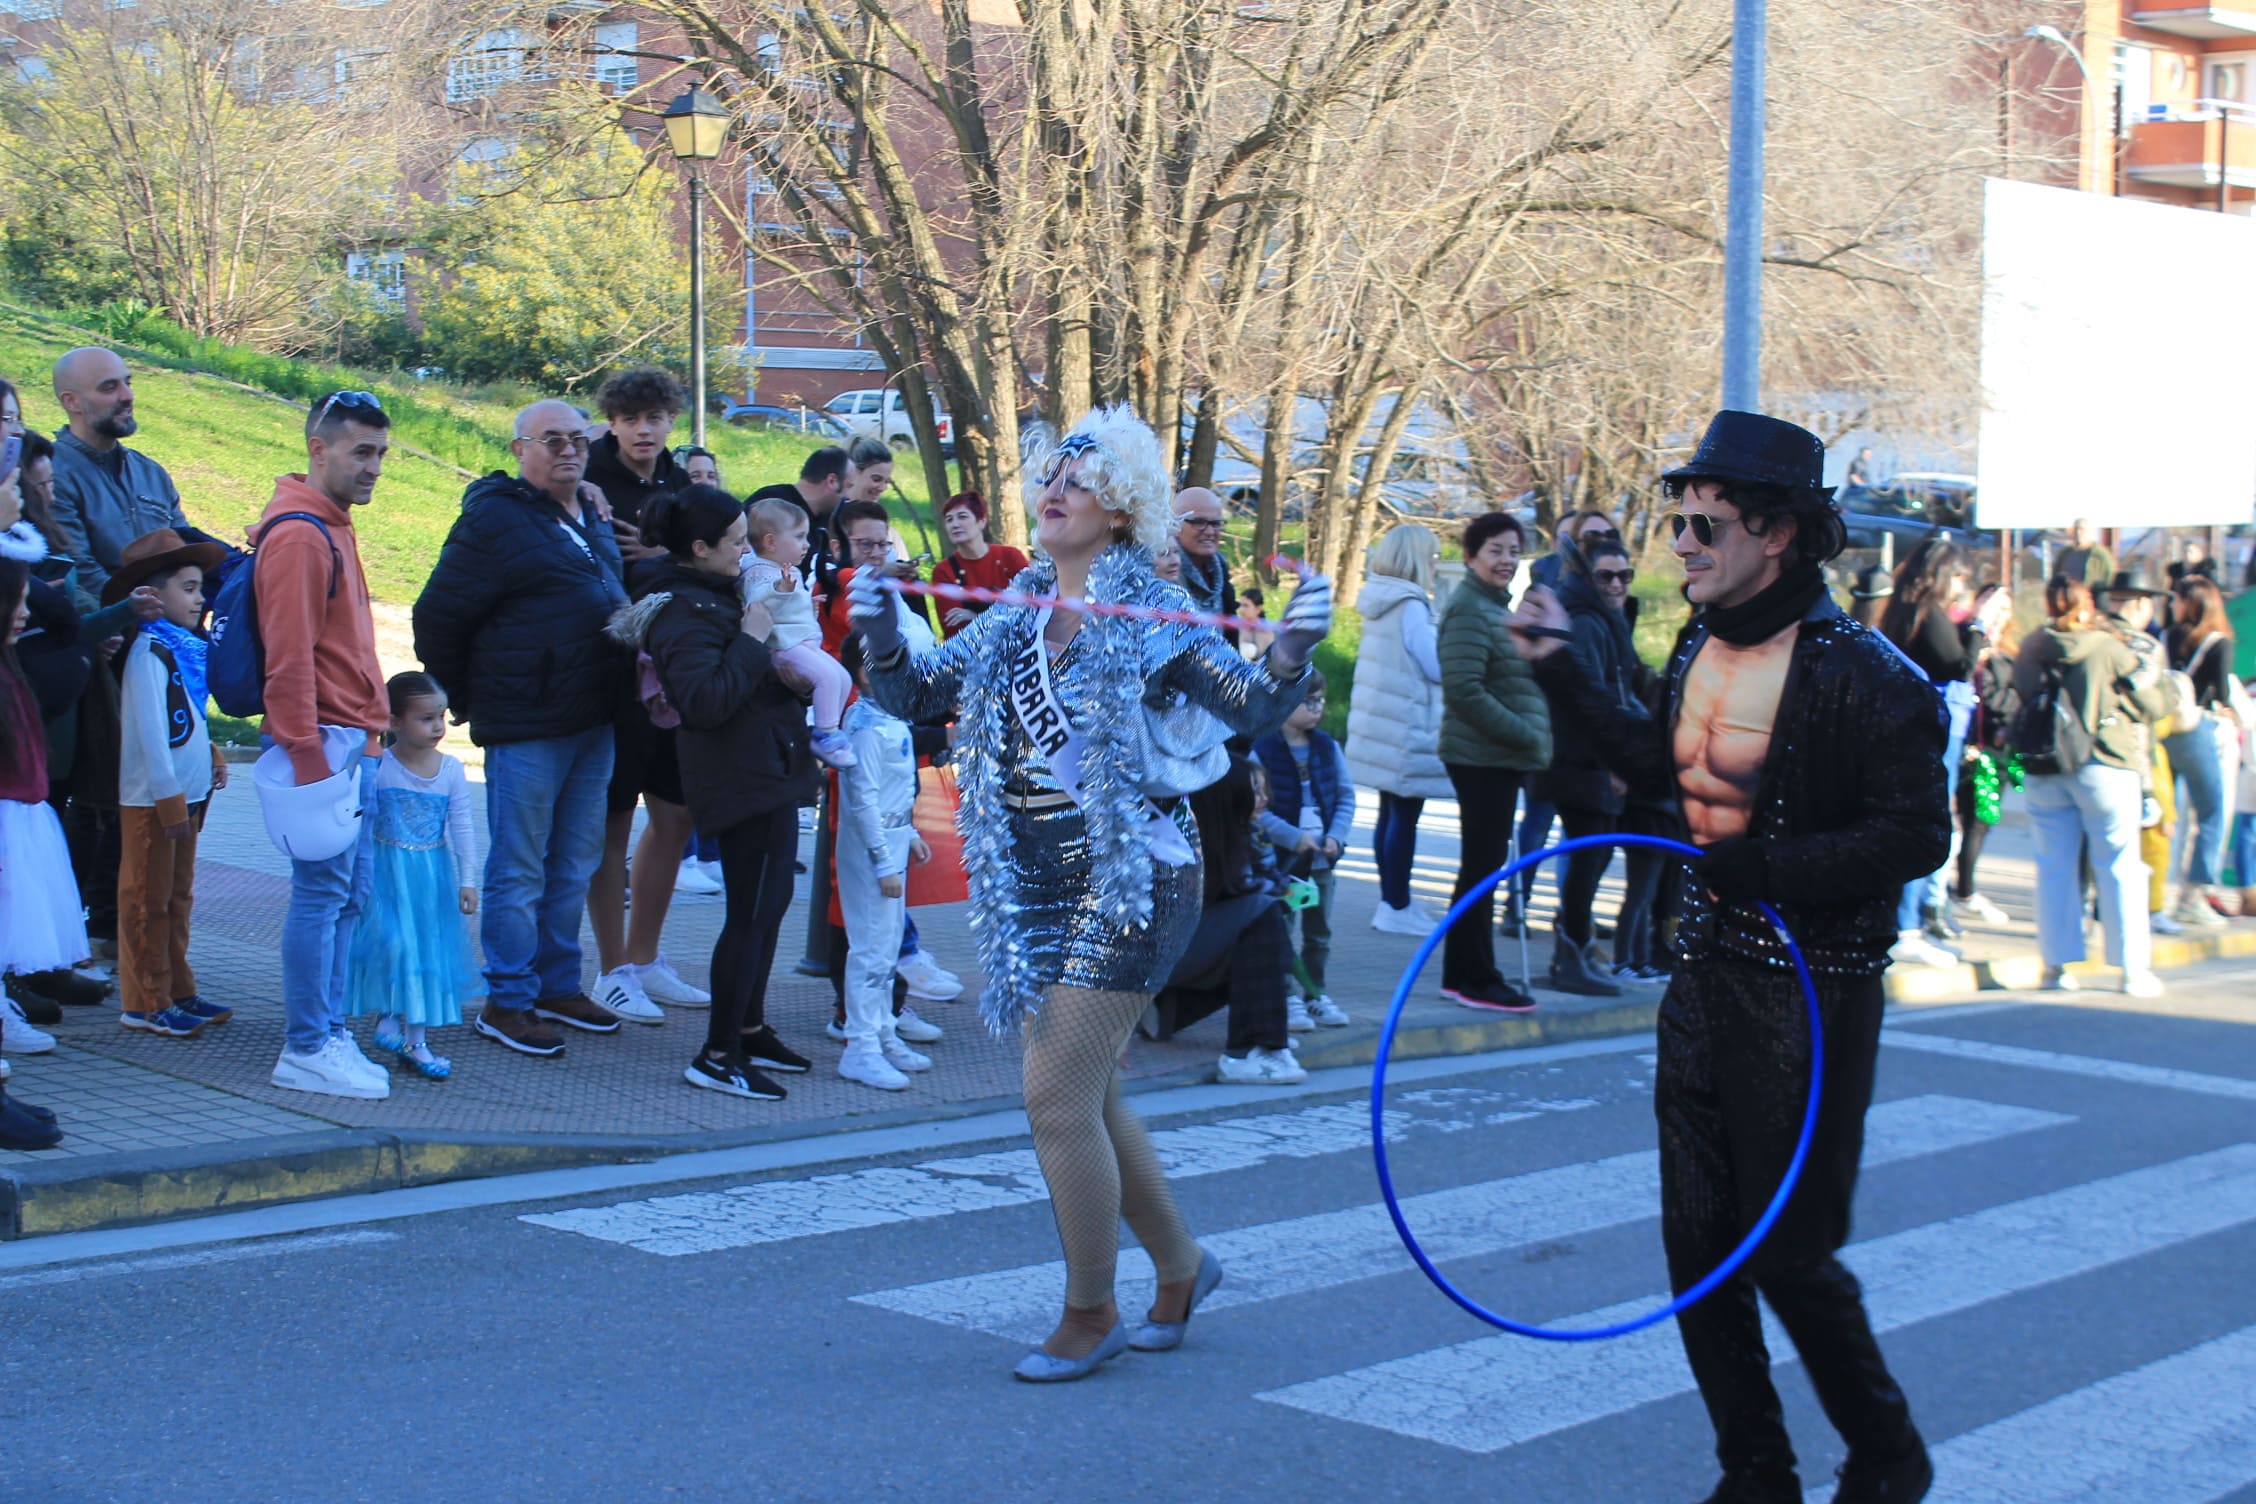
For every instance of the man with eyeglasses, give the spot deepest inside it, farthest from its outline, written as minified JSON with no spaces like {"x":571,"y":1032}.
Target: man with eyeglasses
{"x":106,"y":495}
{"x":1198,"y":535}
{"x":1807,"y":757}
{"x":326,"y":707}
{"x":511,"y":623}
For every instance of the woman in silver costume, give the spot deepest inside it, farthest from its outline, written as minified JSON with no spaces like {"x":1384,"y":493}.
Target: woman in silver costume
{"x":1077,"y":736}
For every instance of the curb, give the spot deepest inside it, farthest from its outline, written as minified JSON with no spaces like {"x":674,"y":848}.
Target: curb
{"x":60,"y":1196}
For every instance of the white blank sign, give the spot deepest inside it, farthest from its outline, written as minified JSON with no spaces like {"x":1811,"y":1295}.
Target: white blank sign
{"x":2118,"y":362}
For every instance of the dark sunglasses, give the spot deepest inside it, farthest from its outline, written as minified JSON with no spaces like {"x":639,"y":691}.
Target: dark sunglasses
{"x":1613,"y":576}
{"x":1704,"y":528}
{"x":364,"y":400}
{"x":557,"y":443}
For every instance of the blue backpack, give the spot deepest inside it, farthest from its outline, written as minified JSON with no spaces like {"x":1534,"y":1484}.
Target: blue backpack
{"x":236,"y":664}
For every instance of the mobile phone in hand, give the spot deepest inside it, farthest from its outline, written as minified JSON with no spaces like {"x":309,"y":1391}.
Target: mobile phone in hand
{"x":11,"y":455}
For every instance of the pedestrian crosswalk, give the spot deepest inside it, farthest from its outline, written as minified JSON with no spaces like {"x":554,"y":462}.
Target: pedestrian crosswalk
{"x":2181,"y":1427}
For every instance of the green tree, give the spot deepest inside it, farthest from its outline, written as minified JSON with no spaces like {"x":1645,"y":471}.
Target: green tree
{"x":566,"y":262}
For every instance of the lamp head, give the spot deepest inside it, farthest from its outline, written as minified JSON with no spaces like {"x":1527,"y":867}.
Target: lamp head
{"x":696,"y":124}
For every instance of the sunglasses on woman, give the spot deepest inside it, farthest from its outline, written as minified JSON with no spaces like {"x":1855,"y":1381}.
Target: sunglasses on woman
{"x":1704,"y":528}
{"x":1613,"y":576}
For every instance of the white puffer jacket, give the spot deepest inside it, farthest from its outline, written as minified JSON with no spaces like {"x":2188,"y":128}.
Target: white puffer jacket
{"x":1394,"y":712}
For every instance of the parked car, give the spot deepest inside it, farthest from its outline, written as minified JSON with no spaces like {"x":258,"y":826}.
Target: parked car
{"x":1888,"y":520}
{"x":882,"y":412}
{"x":804,"y":421}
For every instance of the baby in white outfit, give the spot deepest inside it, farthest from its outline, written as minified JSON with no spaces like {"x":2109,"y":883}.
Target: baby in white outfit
{"x":772,"y":577}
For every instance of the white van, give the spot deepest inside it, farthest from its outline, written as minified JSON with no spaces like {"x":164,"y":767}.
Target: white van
{"x":881,"y":412}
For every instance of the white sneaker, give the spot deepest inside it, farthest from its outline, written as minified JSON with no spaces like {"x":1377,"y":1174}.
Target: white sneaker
{"x":2058,"y":979}
{"x":712,"y":870}
{"x":2141,"y":984}
{"x":806,"y":817}
{"x":836,"y":1030}
{"x":901,"y":1057}
{"x":694,"y":879}
{"x":1975,"y":906}
{"x":329,"y":1071}
{"x":620,"y":989}
{"x":662,"y":984}
{"x":6,"y":1070}
{"x":1408,"y":920}
{"x":18,"y":1035}
{"x":866,"y":1063}
{"x":1261,"y":1067}
{"x":1297,"y":1020}
{"x":366,"y":1066}
{"x":1328,"y":1014}
{"x":2193,"y":909}
{"x":2163,"y":924}
{"x":928,"y":979}
{"x":915,"y":1028}
{"x":1913,"y":948}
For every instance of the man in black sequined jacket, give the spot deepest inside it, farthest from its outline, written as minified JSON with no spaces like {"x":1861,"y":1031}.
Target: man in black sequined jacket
{"x":1808,"y":759}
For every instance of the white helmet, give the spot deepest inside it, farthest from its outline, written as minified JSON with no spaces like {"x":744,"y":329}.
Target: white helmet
{"x":312,"y":822}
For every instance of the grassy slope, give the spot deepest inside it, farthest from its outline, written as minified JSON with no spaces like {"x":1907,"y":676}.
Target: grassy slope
{"x":225,"y":443}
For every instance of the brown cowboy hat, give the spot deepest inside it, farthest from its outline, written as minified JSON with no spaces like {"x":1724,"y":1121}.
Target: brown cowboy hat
{"x":154,"y":553}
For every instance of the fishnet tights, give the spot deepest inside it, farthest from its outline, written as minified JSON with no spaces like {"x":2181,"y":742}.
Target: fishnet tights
{"x":1093,"y":1149}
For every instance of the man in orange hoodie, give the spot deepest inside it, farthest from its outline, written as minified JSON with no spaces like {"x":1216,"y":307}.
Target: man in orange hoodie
{"x":321,"y":675}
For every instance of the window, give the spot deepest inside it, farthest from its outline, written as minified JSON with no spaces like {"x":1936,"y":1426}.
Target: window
{"x":358,"y":68}
{"x":383,"y":272}
{"x":2227,"y":82}
{"x":33,"y":70}
{"x":495,"y":59}
{"x":613,"y":71}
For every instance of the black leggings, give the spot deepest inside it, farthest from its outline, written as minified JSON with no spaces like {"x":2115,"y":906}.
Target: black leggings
{"x":1487,"y":798}
{"x":756,"y":857}
{"x":1972,"y":833}
{"x":1586,"y":868}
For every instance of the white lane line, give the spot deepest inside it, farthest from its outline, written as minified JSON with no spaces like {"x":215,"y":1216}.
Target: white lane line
{"x":165,"y":1261}
{"x":1272,"y":1260}
{"x":818,"y":1148}
{"x":1495,"y":1392}
{"x":2074,"y":1065}
{"x":779,"y":1210}
{"x":2180,"y":1430}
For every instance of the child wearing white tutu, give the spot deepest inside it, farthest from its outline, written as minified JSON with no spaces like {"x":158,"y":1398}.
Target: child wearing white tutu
{"x":41,"y":926}
{"x":410,"y":962}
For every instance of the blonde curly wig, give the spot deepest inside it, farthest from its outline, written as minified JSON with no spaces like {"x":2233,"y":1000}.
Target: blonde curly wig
{"x":1120,"y":462}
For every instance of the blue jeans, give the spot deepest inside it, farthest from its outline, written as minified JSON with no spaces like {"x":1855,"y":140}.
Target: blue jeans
{"x":1394,"y":846}
{"x":2201,"y":802}
{"x":317,"y":930}
{"x":1535,"y":833}
{"x":2244,"y":849}
{"x":545,"y":803}
{"x":1920,"y":892}
{"x":2097,"y":808}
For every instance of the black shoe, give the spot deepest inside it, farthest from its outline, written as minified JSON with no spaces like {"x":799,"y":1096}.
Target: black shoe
{"x":1902,"y":1481}
{"x":1756,"y":1488}
{"x":764,"y":1050}
{"x":1940,"y":924}
{"x":23,"y":1128}
{"x":1491,"y":997}
{"x":732,"y":1078}
{"x":62,"y":985}
{"x":1509,"y":926}
{"x":36,"y":1009}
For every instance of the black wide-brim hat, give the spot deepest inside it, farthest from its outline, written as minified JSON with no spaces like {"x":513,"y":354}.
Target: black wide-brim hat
{"x":1755,"y":448}
{"x":2134,"y":581}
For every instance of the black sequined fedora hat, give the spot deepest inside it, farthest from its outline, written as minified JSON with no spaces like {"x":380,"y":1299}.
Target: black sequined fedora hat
{"x":1759,"y":449}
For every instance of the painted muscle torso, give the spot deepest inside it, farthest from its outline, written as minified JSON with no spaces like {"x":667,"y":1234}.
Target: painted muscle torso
{"x":1725,"y":713}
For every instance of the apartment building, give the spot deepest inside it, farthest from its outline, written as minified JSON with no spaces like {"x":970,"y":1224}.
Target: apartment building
{"x":2171,"y":111}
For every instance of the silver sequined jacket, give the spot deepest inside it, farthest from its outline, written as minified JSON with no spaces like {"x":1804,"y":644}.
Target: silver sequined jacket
{"x":1130,"y":684}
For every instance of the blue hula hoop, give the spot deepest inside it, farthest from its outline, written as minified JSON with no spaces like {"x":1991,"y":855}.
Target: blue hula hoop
{"x":1755,"y":1235}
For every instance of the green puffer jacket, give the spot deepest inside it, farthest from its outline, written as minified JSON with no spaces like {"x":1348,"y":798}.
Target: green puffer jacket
{"x":1493,"y":713}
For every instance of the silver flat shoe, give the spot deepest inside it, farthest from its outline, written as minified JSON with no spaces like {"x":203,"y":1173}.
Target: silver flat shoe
{"x":1160,"y":1336}
{"x":1038,"y":1367}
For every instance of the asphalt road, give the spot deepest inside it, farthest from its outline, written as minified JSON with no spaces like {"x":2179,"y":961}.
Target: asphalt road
{"x":2057,"y":1227}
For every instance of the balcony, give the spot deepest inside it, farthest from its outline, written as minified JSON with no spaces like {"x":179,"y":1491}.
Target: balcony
{"x":2189,"y":149}
{"x":2210,"y":20}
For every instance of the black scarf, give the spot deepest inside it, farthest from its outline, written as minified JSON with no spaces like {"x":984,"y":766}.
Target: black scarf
{"x":1779,"y":605}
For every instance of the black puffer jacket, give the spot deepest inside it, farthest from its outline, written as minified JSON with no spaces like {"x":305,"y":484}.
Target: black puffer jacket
{"x":1850,"y":807}
{"x":1607,"y":656}
{"x":743,"y":738}
{"x":511,"y":620}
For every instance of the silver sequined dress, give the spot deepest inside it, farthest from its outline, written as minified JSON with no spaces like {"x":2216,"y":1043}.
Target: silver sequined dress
{"x":1036,"y":883}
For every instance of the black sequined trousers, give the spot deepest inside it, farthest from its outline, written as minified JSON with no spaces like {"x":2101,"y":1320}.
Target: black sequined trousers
{"x":1732,"y":1086}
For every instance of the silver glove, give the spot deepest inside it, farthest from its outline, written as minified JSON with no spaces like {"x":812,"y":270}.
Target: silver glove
{"x":1306,"y":622}
{"x":869,"y":606}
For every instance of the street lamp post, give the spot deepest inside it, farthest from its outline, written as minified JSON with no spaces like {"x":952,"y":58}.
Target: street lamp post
{"x":696,"y":126}
{"x":1743,"y":230}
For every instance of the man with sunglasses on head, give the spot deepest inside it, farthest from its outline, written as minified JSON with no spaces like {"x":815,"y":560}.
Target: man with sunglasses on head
{"x":1807,"y":756}
{"x":511,"y":625}
{"x":325,"y":700}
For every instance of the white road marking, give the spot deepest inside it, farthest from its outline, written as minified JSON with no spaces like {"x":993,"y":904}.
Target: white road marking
{"x":159,"y":1263}
{"x":1272,"y":1260}
{"x":1495,"y":1392}
{"x":780,"y":1210}
{"x":2098,"y":1069}
{"x":2180,"y":1430}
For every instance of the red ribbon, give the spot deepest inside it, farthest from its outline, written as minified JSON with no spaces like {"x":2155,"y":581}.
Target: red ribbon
{"x":1213,"y":619}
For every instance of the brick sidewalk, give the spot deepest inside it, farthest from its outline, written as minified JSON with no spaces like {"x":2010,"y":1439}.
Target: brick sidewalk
{"x":124,"y":1097}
